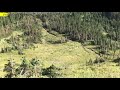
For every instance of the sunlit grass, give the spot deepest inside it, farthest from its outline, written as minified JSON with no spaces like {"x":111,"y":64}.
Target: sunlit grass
{"x":71,"y":57}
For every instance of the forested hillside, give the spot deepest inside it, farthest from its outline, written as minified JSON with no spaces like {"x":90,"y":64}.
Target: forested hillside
{"x":96,"y":35}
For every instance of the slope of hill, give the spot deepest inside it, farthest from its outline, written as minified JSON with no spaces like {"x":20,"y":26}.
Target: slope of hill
{"x":71,"y":57}
{"x":79,"y":44}
{"x":61,"y":55}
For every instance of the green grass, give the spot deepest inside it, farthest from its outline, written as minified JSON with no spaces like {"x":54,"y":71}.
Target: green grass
{"x":71,"y":57}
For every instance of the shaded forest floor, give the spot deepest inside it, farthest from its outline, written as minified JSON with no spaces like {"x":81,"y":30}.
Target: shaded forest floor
{"x":71,"y":57}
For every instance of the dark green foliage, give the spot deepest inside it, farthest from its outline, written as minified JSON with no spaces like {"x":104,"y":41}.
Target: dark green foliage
{"x":89,"y":28}
{"x":35,"y":61}
{"x":23,"y":67}
{"x":2,"y":50}
{"x":30,"y":68}
{"x":51,"y":72}
{"x":116,"y":60}
{"x":33,"y":68}
{"x":96,"y":61}
{"x":99,"y":60}
{"x":21,"y":21}
{"x":103,"y":52}
{"x":10,"y":69}
{"x":6,"y":50}
{"x":32,"y":29}
{"x":27,"y":68}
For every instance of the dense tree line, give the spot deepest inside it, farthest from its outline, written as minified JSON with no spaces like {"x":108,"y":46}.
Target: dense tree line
{"x":97,"y":28}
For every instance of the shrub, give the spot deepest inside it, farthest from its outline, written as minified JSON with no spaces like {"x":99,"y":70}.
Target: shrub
{"x":99,"y":60}
{"x":29,"y":68}
{"x":2,"y":50}
{"x":35,"y":62}
{"x":117,"y":61}
{"x":51,"y":72}
{"x":103,"y":52}
{"x":24,"y":66}
{"x":10,"y":69}
{"x":6,"y":49}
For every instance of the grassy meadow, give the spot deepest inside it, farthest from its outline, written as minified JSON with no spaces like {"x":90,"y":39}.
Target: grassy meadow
{"x":71,"y":57}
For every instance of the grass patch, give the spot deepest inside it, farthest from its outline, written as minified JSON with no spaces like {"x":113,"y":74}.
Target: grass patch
{"x":71,"y":57}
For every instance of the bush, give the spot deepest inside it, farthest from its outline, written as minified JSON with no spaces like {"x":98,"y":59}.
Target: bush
{"x":2,"y":50}
{"x":99,"y":60}
{"x":51,"y":72}
{"x":6,"y":49}
{"x":10,"y":69}
{"x":96,"y":61}
{"x":116,"y":60}
{"x":23,"y":68}
{"x":29,"y":68}
{"x":35,"y":62}
{"x":103,"y":52}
